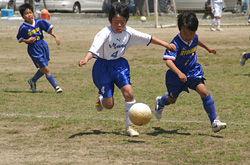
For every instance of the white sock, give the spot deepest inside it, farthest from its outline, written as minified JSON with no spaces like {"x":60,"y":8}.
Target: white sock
{"x":218,"y":23}
{"x":213,"y":22}
{"x":128,"y":105}
{"x":101,"y":100}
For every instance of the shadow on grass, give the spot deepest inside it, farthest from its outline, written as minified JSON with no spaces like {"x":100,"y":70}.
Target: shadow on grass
{"x":95,"y":132}
{"x":159,"y":131}
{"x":22,"y":92}
{"x":214,"y":136}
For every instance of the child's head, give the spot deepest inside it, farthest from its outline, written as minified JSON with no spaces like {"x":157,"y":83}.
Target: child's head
{"x":26,"y":10}
{"x":118,"y":16}
{"x":188,"y":25}
{"x":23,"y":7}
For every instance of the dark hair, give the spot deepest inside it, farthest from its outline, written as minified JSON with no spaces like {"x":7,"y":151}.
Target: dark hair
{"x":188,"y":20}
{"x":118,"y":8}
{"x":25,"y":6}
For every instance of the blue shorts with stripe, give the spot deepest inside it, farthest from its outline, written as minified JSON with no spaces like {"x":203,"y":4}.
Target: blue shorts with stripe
{"x":39,"y":53}
{"x":107,"y":73}
{"x":175,"y":86}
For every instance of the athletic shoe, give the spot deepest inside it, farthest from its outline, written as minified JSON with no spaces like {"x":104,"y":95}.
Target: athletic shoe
{"x":217,"y":125}
{"x":249,"y":19}
{"x":131,"y":131}
{"x":32,"y":85}
{"x":219,"y":29}
{"x":58,"y":89}
{"x":158,"y":109}
{"x":98,"y":105}
{"x":242,"y":59}
{"x":212,"y":29}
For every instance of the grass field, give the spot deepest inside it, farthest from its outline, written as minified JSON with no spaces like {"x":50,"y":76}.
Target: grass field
{"x":50,"y":128}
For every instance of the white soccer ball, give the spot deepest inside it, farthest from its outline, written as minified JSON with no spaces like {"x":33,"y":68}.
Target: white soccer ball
{"x":140,"y":114}
{"x":143,"y":19}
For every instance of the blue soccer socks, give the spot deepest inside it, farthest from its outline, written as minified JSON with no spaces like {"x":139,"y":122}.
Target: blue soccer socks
{"x":37,"y":76}
{"x":247,"y":56}
{"x":163,"y":101}
{"x":208,"y":104}
{"x":52,"y":81}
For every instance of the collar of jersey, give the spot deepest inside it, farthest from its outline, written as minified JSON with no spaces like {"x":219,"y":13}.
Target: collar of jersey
{"x":185,"y":41}
{"x":33,"y":24}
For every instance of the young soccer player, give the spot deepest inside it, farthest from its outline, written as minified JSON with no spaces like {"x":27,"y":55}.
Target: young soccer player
{"x":110,"y":67}
{"x":216,"y":7}
{"x":184,"y":71}
{"x":244,"y":57}
{"x":31,"y":33}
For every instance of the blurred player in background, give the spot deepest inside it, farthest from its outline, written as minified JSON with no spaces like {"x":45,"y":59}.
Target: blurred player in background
{"x":110,"y":68}
{"x":208,"y":13}
{"x":184,"y":71}
{"x":31,"y":33}
{"x":216,"y":7}
{"x":244,"y":57}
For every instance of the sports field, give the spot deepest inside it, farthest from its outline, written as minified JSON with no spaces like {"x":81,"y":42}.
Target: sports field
{"x":50,"y":128}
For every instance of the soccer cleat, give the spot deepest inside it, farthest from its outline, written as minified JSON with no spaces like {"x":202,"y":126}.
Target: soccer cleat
{"x":212,"y":29}
{"x":219,"y":29}
{"x":217,"y":125}
{"x":131,"y":131}
{"x":249,"y":19}
{"x":58,"y":89}
{"x":158,"y":109}
{"x":32,"y":85}
{"x":98,"y":104}
{"x":242,"y":59}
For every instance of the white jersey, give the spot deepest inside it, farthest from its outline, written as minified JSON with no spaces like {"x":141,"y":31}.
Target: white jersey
{"x":110,"y":45}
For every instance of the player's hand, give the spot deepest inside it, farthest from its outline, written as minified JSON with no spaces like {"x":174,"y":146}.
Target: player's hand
{"x":58,"y":41}
{"x":171,"y":47}
{"x":182,"y":77}
{"x":31,"y":40}
{"x":212,"y":50}
{"x":82,"y":62}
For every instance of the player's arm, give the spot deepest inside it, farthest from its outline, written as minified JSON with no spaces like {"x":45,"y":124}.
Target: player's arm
{"x":209,"y":49}
{"x":163,"y":43}
{"x":173,"y":67}
{"x":54,"y":35}
{"x":29,"y":40}
{"x":86,"y":59}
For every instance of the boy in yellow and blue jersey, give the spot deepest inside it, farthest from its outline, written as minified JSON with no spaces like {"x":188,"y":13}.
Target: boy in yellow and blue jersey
{"x":31,"y":33}
{"x":184,"y":71}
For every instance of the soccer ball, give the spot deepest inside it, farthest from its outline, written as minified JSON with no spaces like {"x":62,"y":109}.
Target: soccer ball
{"x":140,"y":114}
{"x":143,"y":18}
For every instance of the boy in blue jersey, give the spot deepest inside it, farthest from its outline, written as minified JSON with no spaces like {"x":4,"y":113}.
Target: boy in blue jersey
{"x":111,"y":68}
{"x":184,"y":72}
{"x":31,"y":33}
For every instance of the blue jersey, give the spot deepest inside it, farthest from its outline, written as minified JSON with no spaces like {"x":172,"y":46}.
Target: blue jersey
{"x":185,"y":59}
{"x":35,"y":30}
{"x":39,"y":50}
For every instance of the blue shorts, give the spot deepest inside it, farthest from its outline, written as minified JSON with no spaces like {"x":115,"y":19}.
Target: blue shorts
{"x":107,"y":73}
{"x":39,"y":53}
{"x":175,"y":86}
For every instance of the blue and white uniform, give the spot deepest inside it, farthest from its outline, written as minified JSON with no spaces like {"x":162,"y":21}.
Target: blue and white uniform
{"x":39,"y":50}
{"x":110,"y":67}
{"x":185,"y":59}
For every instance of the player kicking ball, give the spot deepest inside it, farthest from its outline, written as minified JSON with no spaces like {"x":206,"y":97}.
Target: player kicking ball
{"x":184,"y":71}
{"x":110,"y":68}
{"x":31,"y":33}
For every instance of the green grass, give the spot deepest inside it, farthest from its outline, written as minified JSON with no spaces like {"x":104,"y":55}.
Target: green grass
{"x":50,"y":128}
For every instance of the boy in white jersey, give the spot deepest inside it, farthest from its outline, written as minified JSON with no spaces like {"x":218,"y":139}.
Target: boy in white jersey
{"x":216,"y":8}
{"x":110,"y":68}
